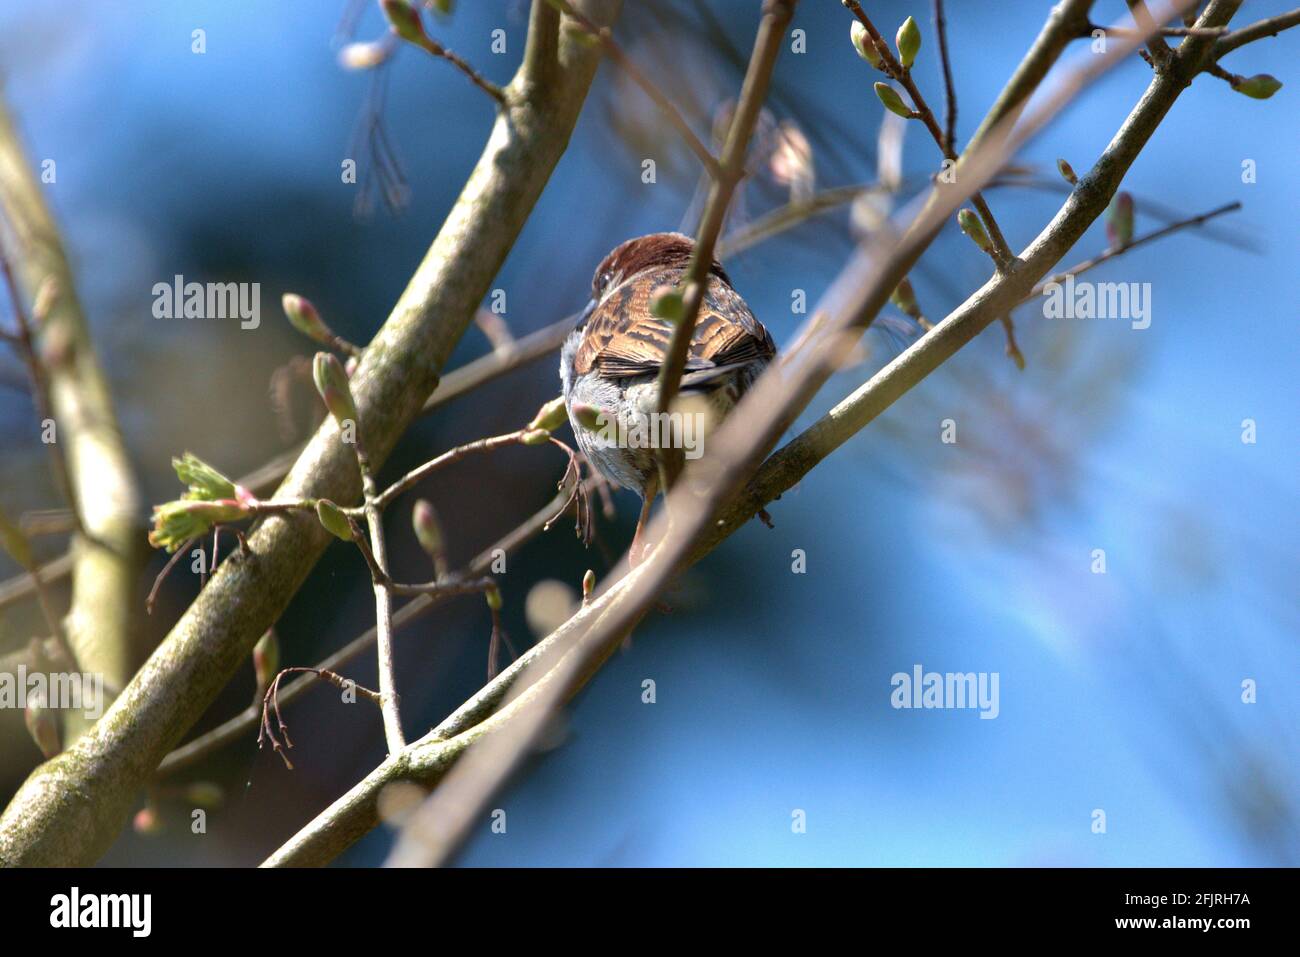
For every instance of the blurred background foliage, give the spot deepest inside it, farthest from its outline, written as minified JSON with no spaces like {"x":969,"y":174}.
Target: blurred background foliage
{"x":1119,"y":691}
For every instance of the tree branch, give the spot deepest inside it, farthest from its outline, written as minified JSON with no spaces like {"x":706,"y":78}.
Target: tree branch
{"x":775,"y":18}
{"x":106,"y":559}
{"x":70,"y":809}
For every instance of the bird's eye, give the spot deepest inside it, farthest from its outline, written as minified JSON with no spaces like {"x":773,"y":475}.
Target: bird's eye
{"x":605,"y":279}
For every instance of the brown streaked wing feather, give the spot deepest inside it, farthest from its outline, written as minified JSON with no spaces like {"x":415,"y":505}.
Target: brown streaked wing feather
{"x":623,"y":340}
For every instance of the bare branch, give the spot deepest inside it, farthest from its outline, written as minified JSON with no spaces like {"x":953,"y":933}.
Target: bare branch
{"x":103,"y":486}
{"x":71,"y":807}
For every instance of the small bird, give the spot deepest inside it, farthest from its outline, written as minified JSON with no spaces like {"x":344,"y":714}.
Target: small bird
{"x":611,"y":360}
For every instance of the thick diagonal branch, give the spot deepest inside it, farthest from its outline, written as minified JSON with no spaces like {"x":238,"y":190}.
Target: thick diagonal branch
{"x":70,"y":809}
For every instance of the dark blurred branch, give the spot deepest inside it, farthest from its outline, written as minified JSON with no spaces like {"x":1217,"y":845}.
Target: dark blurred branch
{"x":772,"y":25}
{"x":24,"y":344}
{"x":106,"y":559}
{"x":1270,"y":27}
{"x":949,"y":143}
{"x":71,"y":808}
{"x":670,"y":112}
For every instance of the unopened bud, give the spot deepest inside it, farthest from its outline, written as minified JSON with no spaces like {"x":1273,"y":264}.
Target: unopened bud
{"x":332,"y":384}
{"x":535,"y":437}
{"x":668,"y":305}
{"x":550,"y":416}
{"x":587,"y":416}
{"x":304,"y":317}
{"x":1258,"y":87}
{"x":904,"y":297}
{"x":332,"y":517}
{"x":42,"y":724}
{"x":893,"y":102}
{"x":862,"y":42}
{"x":970,"y":225}
{"x":405,"y":20}
{"x":588,"y":585}
{"x":493,"y":597}
{"x":908,"y":41}
{"x":428,"y":530}
{"x":1067,"y":172}
{"x":266,"y":659}
{"x":1119,"y":221}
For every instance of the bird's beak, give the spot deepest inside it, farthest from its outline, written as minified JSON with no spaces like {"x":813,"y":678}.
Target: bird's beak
{"x":586,"y":313}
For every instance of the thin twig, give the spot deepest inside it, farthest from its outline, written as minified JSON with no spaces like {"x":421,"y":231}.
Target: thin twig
{"x":385,"y":498}
{"x":235,"y":728}
{"x":25,"y":345}
{"x":950,"y":91}
{"x":1002,"y":254}
{"x":1269,"y":27}
{"x":378,"y":551}
{"x":1111,"y":253}
{"x":670,"y":112}
{"x":767,"y":45}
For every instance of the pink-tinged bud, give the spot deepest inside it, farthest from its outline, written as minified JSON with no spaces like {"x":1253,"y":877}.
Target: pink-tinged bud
{"x":668,"y":304}
{"x":1258,"y":87}
{"x":405,"y":21}
{"x":970,"y":225}
{"x":147,"y":821}
{"x":350,"y":367}
{"x":332,"y":384}
{"x":43,"y":725}
{"x":588,"y":585}
{"x":303,"y":316}
{"x":363,"y":56}
{"x":908,"y":41}
{"x":266,"y":659}
{"x":205,"y":794}
{"x":175,"y":523}
{"x":863,"y":44}
{"x":428,"y":530}
{"x":893,"y":102}
{"x":493,"y":597}
{"x":1067,"y":172}
{"x":13,"y":541}
{"x":332,"y":517}
{"x":550,"y":416}
{"x":1119,"y":221}
{"x":587,"y":416}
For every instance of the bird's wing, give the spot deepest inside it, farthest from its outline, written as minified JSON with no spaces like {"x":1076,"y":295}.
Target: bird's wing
{"x":623,"y":339}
